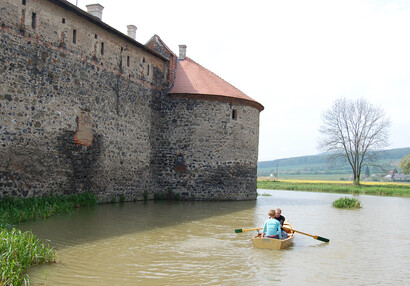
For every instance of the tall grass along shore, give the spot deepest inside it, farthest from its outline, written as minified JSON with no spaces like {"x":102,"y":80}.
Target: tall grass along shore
{"x":20,"y":250}
{"x":392,"y":189}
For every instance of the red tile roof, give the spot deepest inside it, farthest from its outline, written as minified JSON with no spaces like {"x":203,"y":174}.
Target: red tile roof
{"x":194,"y":79}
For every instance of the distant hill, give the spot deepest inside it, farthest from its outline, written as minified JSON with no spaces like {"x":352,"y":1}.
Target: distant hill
{"x":317,"y":166}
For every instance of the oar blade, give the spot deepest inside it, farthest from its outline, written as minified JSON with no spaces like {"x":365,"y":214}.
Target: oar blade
{"x":239,"y":230}
{"x":323,"y":239}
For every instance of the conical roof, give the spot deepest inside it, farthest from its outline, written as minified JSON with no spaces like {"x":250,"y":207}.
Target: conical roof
{"x":193,"y":79}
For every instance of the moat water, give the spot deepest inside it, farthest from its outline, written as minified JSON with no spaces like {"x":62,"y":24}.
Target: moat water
{"x":194,"y":243}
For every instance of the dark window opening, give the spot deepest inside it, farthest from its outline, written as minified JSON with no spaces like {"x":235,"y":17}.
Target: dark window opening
{"x":95,"y":36}
{"x":102,"y":48}
{"x":63,"y":21}
{"x":23,"y":20}
{"x":179,"y":163}
{"x":143,"y":60}
{"x":33,"y":20}
{"x":128,"y":61}
{"x":180,"y":160}
{"x":23,"y":2}
{"x":122,"y":49}
{"x":234,"y":114}
{"x":74,"y":36}
{"x":148,"y":70}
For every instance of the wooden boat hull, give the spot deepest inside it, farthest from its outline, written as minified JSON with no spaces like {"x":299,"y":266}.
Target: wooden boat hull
{"x":272,"y":243}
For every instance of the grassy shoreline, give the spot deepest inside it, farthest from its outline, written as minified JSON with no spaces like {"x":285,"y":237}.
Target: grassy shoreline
{"x":391,"y":189}
{"x":21,"y":250}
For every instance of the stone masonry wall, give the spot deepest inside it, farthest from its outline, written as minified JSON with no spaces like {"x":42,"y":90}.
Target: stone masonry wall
{"x":77,"y":105}
{"x":207,"y":154}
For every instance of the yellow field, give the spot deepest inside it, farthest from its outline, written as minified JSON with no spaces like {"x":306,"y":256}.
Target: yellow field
{"x":332,"y":182}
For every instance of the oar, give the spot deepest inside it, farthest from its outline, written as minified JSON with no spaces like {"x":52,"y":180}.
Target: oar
{"x":314,"y":236}
{"x":239,"y":230}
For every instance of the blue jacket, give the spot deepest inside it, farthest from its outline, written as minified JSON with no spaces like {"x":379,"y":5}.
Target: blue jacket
{"x":272,"y":227}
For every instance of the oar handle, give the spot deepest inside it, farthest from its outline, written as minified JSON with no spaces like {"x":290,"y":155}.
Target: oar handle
{"x":249,"y":229}
{"x":314,"y":236}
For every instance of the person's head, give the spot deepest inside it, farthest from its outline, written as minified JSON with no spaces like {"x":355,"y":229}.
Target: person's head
{"x":278,"y":212}
{"x":272,"y":213}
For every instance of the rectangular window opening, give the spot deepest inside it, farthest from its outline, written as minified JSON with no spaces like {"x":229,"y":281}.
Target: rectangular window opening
{"x":63,"y":21}
{"x":128,"y":61}
{"x":33,"y":20}
{"x":234,"y":114}
{"x":74,"y":36}
{"x":148,"y":70}
{"x":102,"y":48}
{"x":23,"y":2}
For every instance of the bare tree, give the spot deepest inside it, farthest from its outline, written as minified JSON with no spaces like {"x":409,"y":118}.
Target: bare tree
{"x":353,"y":131}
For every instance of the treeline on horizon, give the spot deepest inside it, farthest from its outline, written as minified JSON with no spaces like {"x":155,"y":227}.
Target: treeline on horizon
{"x":318,"y":165}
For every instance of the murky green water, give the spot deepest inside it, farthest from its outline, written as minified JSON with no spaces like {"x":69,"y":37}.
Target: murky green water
{"x":193,"y":243}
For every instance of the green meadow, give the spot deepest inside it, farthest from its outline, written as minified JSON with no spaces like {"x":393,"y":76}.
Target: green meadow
{"x":382,"y":189}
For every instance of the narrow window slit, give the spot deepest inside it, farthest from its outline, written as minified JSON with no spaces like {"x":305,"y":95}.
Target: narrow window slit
{"x":234,"y":114}
{"x":33,"y":20}
{"x":74,"y":36}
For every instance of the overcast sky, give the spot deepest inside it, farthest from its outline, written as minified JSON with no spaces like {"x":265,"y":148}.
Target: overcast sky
{"x":294,"y":57}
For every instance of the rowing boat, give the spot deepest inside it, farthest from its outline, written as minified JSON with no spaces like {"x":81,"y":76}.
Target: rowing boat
{"x":272,"y":243}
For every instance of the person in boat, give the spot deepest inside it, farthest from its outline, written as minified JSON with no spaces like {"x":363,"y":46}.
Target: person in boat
{"x":279,"y":216}
{"x":281,"y":219}
{"x":272,"y":227}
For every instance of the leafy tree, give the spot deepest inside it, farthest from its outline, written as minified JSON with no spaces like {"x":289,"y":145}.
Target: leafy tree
{"x":354,"y":131}
{"x":405,"y":164}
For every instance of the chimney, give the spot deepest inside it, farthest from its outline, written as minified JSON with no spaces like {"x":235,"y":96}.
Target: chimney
{"x":95,"y":10}
{"x":182,"y":52}
{"x":131,"y":31}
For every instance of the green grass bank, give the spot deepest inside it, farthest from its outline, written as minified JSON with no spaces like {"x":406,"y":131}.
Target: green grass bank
{"x":21,"y":250}
{"x":348,"y":188}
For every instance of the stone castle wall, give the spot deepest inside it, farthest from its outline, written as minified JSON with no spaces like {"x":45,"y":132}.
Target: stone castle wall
{"x":73,"y":118}
{"x":217,"y":153}
{"x":84,"y":108}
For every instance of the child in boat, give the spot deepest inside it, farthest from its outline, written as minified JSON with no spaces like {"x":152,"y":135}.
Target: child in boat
{"x":281,"y":219}
{"x":272,"y":227}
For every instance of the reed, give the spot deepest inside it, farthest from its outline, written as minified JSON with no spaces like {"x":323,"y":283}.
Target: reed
{"x":402,"y":190}
{"x":17,"y":210}
{"x":20,"y":250}
{"x":347,"y":203}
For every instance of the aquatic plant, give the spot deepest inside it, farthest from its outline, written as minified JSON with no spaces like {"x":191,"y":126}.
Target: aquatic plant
{"x":20,"y":250}
{"x":347,"y":203}
{"x":16,"y":210}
